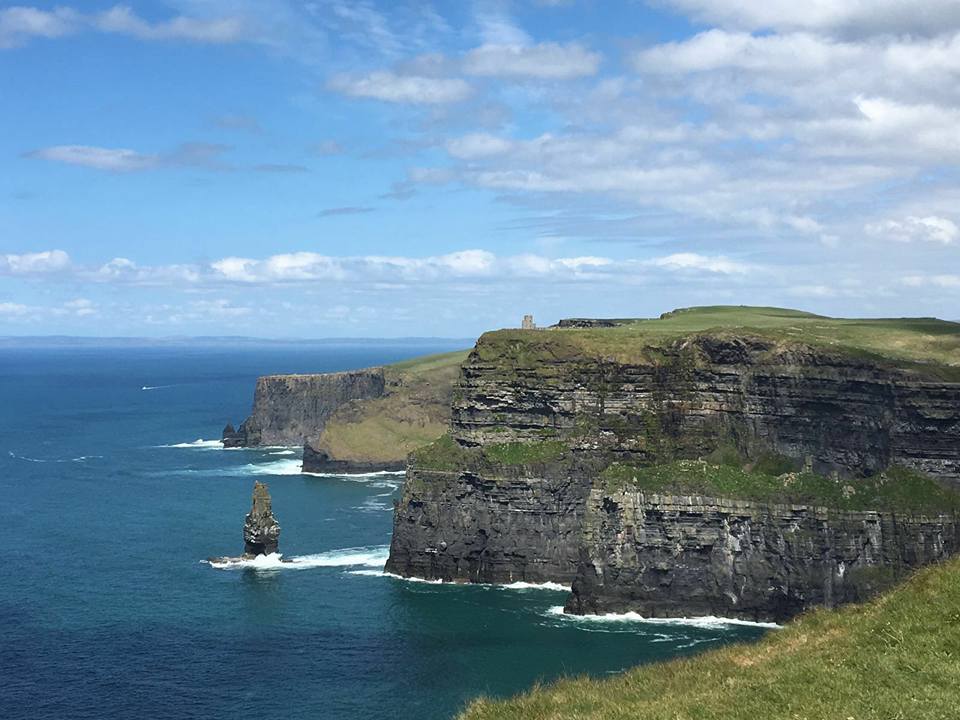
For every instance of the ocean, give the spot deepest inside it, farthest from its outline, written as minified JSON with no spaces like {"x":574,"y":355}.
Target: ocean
{"x":114,"y":491}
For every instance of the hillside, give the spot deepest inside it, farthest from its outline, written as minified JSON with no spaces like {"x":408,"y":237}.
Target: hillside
{"x":893,"y":657}
{"x":413,"y":411}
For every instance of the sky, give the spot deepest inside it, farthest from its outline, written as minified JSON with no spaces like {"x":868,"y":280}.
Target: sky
{"x":328,"y":168}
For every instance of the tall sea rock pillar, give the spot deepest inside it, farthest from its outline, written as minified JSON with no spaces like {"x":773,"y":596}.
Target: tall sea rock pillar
{"x":261,"y":531}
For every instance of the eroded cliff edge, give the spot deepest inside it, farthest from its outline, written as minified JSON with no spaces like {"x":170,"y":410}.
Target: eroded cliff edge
{"x":357,"y":421}
{"x":836,"y":456}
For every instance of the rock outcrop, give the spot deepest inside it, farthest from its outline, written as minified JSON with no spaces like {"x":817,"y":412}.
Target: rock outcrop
{"x":847,"y":414}
{"x":320,"y":461}
{"x":289,"y":409}
{"x":261,"y":531}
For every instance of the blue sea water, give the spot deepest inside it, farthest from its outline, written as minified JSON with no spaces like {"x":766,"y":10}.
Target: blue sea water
{"x":108,"y":506}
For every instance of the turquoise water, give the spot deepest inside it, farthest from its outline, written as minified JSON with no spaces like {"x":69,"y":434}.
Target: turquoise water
{"x":107,"y":610}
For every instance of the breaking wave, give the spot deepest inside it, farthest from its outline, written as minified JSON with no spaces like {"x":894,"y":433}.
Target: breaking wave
{"x":198,"y":444}
{"x":555,"y":587}
{"x":275,"y":467}
{"x":358,"y":476}
{"x":373,"y":557}
{"x":709,"y":622}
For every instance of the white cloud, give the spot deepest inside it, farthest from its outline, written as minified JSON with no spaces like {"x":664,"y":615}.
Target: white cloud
{"x":9,"y":309}
{"x":99,"y":158}
{"x":477,"y":145}
{"x":48,"y":261}
{"x":929,"y":229}
{"x":123,"y":20}
{"x":545,"y":61}
{"x":694,"y":261}
{"x":391,"y":87}
{"x":853,"y":16}
{"x":18,"y":24}
{"x":947,"y":282}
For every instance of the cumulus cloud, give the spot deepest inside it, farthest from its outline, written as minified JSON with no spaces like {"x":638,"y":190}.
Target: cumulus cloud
{"x":19,"y":24}
{"x":694,"y":261}
{"x":925,"y":229}
{"x":312,"y":267}
{"x":48,"y":261}
{"x":545,"y":61}
{"x":397,"y":88}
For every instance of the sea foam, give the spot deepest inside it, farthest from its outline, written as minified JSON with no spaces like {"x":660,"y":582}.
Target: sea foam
{"x":198,"y":444}
{"x":708,"y":622}
{"x":373,"y":557}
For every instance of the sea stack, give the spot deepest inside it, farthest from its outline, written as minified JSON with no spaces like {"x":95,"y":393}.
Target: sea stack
{"x":261,"y":531}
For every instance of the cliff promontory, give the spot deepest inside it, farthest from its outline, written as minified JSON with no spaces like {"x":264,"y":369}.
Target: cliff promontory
{"x":357,"y":421}
{"x":747,"y":462}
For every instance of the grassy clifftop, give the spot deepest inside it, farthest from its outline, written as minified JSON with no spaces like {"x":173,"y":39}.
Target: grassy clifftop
{"x":414,"y":412}
{"x":894,"y":657}
{"x":906,"y":342}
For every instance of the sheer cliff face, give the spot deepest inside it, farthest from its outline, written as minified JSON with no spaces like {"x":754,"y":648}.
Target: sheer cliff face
{"x":846,"y":414}
{"x":669,"y":556}
{"x":288,"y":409}
{"x":673,"y":555}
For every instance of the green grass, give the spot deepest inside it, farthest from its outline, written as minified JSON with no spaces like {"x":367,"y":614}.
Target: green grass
{"x":897,"y":489}
{"x":446,"y":455}
{"x":895,"y":658}
{"x":414,"y":412}
{"x":926,"y":345}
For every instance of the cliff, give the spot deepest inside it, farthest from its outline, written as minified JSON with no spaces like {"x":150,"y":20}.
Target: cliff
{"x":811,"y":412}
{"x":358,"y":421}
{"x":287,"y":409}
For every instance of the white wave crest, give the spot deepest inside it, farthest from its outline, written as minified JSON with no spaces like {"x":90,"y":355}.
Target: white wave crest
{"x":373,"y":557}
{"x":275,"y":467}
{"x":359,"y":477}
{"x":556,"y":587}
{"x":156,"y":387}
{"x":198,"y":444}
{"x":709,"y":622}
{"x":284,"y":452}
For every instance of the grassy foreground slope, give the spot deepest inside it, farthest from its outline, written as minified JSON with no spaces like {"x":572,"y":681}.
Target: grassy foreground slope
{"x":895,"y":658}
{"x":910,"y":343}
{"x":414,"y":412}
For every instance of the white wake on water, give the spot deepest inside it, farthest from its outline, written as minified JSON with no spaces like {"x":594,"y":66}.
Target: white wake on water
{"x":374,"y":557}
{"x":709,"y":622}
{"x":156,"y":387}
{"x":82,"y":458}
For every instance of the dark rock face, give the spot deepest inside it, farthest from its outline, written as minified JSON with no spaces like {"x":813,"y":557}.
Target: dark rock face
{"x":460,"y":526}
{"x":845,"y":413}
{"x":318,"y":461}
{"x":261,"y":531}
{"x":681,"y":556}
{"x":287,"y":409}
{"x":669,"y":556}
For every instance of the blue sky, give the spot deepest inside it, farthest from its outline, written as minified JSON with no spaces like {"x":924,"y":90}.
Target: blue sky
{"x":334,"y":168}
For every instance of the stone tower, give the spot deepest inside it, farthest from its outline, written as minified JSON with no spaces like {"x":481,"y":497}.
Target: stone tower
{"x":528,"y":323}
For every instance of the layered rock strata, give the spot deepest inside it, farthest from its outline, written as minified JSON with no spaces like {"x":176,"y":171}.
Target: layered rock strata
{"x":838,"y":413}
{"x":669,"y":555}
{"x":289,"y":409}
